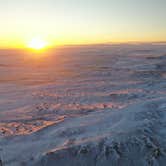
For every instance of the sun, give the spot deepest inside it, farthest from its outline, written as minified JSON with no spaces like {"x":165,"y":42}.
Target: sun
{"x":37,"y":44}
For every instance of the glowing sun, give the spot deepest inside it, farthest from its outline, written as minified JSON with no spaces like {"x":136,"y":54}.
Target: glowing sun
{"x":37,"y":44}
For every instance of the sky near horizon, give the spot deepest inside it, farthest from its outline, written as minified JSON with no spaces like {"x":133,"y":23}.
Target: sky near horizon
{"x":81,"y":21}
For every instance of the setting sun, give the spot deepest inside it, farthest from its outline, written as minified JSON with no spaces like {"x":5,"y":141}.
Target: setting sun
{"x":37,"y":44}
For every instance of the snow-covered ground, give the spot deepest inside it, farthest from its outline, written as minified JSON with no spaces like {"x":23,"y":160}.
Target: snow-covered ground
{"x":96,"y":105}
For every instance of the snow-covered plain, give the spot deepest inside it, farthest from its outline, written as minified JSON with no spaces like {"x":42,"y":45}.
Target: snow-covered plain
{"x":98,"y":105}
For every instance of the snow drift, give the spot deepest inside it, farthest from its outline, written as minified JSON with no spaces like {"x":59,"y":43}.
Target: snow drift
{"x":90,"y":106}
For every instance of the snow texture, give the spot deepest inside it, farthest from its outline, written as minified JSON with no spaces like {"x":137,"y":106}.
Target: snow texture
{"x":96,"y":105}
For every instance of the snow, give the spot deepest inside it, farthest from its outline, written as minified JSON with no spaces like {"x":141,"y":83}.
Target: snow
{"x":97,"y":105}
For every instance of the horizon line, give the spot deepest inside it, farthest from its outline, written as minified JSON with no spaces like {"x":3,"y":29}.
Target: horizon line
{"x":88,"y":44}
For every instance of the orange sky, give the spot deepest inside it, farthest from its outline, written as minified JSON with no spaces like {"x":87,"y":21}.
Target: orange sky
{"x":81,"y":22}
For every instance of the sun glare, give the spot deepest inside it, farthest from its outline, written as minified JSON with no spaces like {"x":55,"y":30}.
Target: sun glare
{"x":37,"y":44}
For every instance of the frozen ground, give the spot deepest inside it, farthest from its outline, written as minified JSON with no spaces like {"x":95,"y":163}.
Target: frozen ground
{"x":87,"y":105}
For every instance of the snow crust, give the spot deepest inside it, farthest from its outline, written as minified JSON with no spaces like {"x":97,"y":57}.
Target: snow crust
{"x":95,"y":105}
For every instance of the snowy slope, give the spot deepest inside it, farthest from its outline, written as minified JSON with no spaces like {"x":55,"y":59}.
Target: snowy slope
{"x":89,"y":105}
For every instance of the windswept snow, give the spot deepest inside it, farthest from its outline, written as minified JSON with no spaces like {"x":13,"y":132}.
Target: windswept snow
{"x":87,"y":105}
